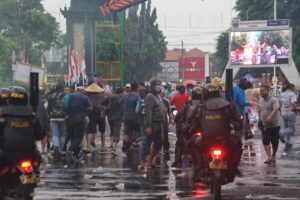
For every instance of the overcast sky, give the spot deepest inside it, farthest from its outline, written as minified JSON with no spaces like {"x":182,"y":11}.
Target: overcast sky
{"x":196,"y":22}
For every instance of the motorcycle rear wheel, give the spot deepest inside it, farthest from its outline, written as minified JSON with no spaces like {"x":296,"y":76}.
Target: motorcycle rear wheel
{"x":22,"y":192}
{"x":216,"y":185}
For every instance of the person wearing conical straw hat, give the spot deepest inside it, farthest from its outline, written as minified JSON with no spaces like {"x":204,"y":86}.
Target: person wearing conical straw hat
{"x":96,"y":116}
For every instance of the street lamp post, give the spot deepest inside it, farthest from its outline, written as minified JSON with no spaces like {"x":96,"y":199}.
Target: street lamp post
{"x":274,"y":79}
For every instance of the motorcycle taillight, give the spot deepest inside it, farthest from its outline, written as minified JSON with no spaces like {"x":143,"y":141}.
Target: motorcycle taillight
{"x":217,"y":153}
{"x":198,"y":134}
{"x":26,"y":166}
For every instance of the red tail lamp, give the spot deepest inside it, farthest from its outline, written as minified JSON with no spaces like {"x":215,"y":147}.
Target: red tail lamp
{"x":217,"y":153}
{"x":26,"y":166}
{"x":198,"y":134}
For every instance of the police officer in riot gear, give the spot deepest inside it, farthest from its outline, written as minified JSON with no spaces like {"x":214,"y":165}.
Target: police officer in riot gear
{"x":219,"y":117}
{"x":4,"y":96}
{"x":187,"y":121}
{"x":19,"y":128}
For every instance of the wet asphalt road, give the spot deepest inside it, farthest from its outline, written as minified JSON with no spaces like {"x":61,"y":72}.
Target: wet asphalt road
{"x":104,"y":176}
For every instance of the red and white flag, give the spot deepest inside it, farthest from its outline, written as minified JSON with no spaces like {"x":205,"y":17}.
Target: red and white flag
{"x":76,"y":67}
{"x":71,"y":63}
{"x":83,"y":69}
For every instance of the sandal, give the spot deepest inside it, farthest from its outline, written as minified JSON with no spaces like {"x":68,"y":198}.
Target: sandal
{"x":268,"y":161}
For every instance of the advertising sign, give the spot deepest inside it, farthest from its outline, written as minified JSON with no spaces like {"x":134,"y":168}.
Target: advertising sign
{"x":261,"y":24}
{"x":194,"y":68}
{"x":117,"y":5}
{"x":21,"y":72}
{"x":267,"y":47}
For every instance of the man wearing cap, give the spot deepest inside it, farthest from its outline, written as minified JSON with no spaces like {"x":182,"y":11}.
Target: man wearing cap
{"x":128,"y":88}
{"x":76,"y":106}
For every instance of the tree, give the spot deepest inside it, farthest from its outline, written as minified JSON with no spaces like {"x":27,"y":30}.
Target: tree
{"x":145,"y":44}
{"x":6,"y":46}
{"x":221,"y":55}
{"x":27,"y":23}
{"x":263,"y":10}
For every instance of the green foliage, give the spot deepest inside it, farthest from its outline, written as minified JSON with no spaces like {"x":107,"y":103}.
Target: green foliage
{"x":108,"y":44}
{"x":144,"y":44}
{"x":221,"y":55}
{"x":6,"y":46}
{"x":29,"y":26}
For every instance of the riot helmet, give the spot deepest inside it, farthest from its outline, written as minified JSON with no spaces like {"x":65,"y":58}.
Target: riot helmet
{"x":18,"y":96}
{"x":211,"y":91}
{"x":155,"y":86}
{"x":4,"y":96}
{"x":197,"y":93}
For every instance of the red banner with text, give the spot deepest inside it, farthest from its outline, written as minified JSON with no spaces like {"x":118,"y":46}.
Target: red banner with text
{"x":194,"y":68}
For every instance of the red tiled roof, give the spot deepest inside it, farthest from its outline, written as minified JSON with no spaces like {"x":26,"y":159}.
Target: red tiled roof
{"x":195,"y":53}
{"x":172,"y":55}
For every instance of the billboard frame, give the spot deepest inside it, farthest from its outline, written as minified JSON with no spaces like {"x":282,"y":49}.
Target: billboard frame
{"x":260,"y":25}
{"x":290,"y":71}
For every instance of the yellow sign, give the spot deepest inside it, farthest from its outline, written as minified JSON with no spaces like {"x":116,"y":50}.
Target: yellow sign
{"x":213,"y":117}
{"x":19,"y":124}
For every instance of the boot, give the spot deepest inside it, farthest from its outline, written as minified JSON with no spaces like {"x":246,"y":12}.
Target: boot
{"x":178,"y":158}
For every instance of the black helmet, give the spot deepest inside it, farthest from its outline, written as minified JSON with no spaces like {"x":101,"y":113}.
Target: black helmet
{"x":181,"y":89}
{"x":4,"y":95}
{"x":18,"y":96}
{"x":211,"y":91}
{"x":197,"y":93}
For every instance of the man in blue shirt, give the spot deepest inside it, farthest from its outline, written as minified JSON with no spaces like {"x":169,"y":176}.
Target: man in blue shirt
{"x":130,"y":116}
{"x":239,"y":96}
{"x":76,"y":108}
{"x":240,"y":101}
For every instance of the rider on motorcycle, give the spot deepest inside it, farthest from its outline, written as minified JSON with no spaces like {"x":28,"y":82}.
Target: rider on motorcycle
{"x":219,"y":117}
{"x":186,"y":120}
{"x":19,"y":129}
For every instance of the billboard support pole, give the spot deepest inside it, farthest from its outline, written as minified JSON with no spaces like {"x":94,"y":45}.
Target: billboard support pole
{"x":183,"y":67}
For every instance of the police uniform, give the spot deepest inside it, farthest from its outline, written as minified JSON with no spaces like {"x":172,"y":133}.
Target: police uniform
{"x":184,"y":127}
{"x":218,"y":117}
{"x":19,"y":129}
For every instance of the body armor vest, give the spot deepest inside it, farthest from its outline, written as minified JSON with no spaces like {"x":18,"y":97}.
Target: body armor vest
{"x":18,"y":131}
{"x":215,"y":120}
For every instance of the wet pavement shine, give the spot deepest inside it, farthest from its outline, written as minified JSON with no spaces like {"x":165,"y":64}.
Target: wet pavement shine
{"x":105,"y":176}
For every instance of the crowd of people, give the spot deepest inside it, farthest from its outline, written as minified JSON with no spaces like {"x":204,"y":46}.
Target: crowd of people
{"x":262,"y":109}
{"x":71,"y":117}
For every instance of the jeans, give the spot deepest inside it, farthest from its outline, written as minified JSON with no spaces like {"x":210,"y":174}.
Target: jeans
{"x":156,"y":137}
{"x":289,"y":126}
{"x":58,"y":129}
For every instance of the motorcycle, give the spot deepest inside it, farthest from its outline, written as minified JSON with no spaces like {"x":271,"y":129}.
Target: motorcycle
{"x":212,"y":163}
{"x":17,"y":182}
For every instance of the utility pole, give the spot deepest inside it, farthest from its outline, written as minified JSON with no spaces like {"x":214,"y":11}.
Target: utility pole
{"x":182,"y":62}
{"x":18,"y":23}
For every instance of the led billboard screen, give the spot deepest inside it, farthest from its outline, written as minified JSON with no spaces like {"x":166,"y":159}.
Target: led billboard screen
{"x":260,"y":47}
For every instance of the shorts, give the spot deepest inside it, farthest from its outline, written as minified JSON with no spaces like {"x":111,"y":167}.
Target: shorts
{"x":94,"y":121}
{"x":270,"y":135}
{"x":115,"y":127}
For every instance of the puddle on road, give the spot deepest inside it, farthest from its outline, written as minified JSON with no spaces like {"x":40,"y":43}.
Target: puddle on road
{"x":104,"y":176}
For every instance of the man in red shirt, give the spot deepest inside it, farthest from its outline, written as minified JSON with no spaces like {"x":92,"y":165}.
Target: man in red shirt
{"x":180,"y":99}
